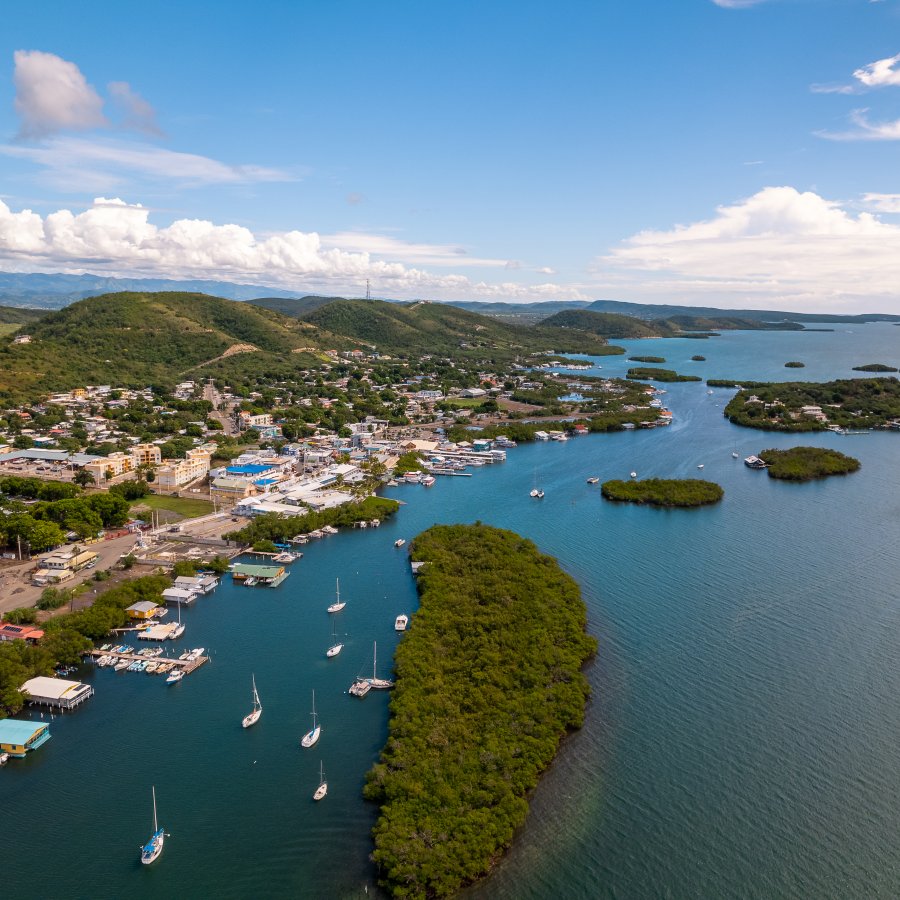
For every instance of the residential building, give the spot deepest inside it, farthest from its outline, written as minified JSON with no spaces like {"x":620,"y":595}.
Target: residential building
{"x":174,"y":473}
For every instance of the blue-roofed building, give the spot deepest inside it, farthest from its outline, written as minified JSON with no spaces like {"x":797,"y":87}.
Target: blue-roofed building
{"x":17,"y":736}
{"x":250,"y":469}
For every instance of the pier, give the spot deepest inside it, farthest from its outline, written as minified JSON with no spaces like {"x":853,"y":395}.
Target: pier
{"x":187,"y":666}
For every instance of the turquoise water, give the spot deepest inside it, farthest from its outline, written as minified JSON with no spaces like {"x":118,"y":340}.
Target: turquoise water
{"x":743,"y":739}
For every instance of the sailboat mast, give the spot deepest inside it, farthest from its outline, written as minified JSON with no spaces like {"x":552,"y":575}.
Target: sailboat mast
{"x":155,"y":824}
{"x":374,"y":660}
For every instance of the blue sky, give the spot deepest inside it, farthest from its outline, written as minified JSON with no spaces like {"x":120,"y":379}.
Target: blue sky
{"x":713,"y":152}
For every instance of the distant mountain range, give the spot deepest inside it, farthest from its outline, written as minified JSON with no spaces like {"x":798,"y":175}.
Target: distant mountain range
{"x":40,"y":291}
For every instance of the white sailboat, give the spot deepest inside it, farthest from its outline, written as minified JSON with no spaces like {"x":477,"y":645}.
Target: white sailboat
{"x":337,"y":606}
{"x":336,"y":645}
{"x":311,"y":737}
{"x":151,"y":850}
{"x":375,"y":681}
{"x":179,"y":628}
{"x":253,"y":716}
{"x":322,"y":789}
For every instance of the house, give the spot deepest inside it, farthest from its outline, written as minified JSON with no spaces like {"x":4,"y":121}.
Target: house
{"x":56,"y":692}
{"x":17,"y":737}
{"x":28,"y":633}
{"x":144,"y":609}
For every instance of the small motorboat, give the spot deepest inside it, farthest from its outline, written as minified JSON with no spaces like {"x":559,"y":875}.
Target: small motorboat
{"x":593,"y":479}
{"x":700,"y":466}
{"x":401,"y":622}
{"x":177,"y":675}
{"x":399,"y":542}
{"x":634,"y":474}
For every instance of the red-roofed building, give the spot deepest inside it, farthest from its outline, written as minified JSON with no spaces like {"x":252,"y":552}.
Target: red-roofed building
{"x":10,"y":632}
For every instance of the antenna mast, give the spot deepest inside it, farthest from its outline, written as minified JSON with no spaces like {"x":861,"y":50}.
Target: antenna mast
{"x":368,"y":292}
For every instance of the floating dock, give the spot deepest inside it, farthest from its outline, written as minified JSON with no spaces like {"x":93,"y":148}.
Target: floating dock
{"x":269,"y":576}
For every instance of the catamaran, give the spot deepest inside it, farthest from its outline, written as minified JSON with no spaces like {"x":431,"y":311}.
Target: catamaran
{"x":151,"y":850}
{"x":337,"y":606}
{"x":252,"y":717}
{"x":322,"y":789}
{"x":336,"y":646}
{"x":311,"y":737}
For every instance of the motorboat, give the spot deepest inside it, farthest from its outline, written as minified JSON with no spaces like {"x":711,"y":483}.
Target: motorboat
{"x":399,"y":542}
{"x":401,"y":622}
{"x":174,"y":676}
{"x":593,"y":479}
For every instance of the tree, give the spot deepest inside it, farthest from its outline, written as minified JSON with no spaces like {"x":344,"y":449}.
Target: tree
{"x":129,"y":561}
{"x":83,"y":478}
{"x":23,"y":442}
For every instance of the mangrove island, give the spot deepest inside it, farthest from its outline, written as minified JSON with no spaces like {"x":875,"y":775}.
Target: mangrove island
{"x":806,"y":463}
{"x":488,"y":681}
{"x":681,"y":492}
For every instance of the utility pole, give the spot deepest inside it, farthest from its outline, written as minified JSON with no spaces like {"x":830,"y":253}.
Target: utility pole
{"x":368,"y":292}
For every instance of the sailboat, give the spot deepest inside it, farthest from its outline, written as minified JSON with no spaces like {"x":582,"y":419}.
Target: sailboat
{"x":151,"y":850}
{"x":336,"y":646}
{"x":375,"y":681}
{"x":253,"y":716}
{"x":179,"y":628}
{"x":322,"y":789}
{"x":311,"y":737}
{"x":337,"y":606}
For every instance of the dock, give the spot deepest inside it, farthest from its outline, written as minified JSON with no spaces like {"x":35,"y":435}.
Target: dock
{"x":187,"y":666}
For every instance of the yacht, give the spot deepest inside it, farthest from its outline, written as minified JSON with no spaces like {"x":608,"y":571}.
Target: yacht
{"x":380,"y":684}
{"x":754,"y":462}
{"x":336,"y":645}
{"x":252,"y":717}
{"x":399,"y":542}
{"x":311,"y":737}
{"x":401,"y":622}
{"x":174,"y":676}
{"x":151,"y":850}
{"x":337,"y":606}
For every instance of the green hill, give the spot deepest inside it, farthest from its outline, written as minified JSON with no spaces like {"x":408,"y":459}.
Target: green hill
{"x":420,"y":327}
{"x":609,"y":325}
{"x":297,"y":307}
{"x":19,"y":315}
{"x":133,"y":339}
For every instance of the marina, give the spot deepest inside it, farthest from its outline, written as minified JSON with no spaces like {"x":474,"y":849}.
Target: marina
{"x":185,"y":666}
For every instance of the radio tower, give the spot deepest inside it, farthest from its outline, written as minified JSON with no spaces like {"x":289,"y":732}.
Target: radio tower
{"x":368,"y":293}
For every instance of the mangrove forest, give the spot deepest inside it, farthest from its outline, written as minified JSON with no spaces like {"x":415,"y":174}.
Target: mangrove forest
{"x":488,"y":682}
{"x":681,"y":492}
{"x":806,"y":463}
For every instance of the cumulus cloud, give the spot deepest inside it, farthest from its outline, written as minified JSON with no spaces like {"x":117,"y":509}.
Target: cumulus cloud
{"x":420,"y":254}
{"x":778,"y":246}
{"x":77,"y":164}
{"x":137,"y":113}
{"x":117,"y":238}
{"x":53,"y":95}
{"x":889,"y":203}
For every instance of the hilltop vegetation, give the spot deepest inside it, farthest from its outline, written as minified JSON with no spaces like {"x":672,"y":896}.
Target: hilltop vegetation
{"x":849,"y":403}
{"x":488,"y":682}
{"x":682,"y":492}
{"x":874,"y":367}
{"x":806,"y":463}
{"x":134,"y":339}
{"x":18,"y":315}
{"x":608,"y":325}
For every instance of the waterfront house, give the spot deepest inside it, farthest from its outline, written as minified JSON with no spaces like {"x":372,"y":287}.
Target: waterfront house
{"x":142,"y":610}
{"x":56,"y":692}
{"x":17,"y":736}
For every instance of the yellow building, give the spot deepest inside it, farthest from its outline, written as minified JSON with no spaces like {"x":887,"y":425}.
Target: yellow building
{"x":146,"y":455}
{"x":175,"y":473}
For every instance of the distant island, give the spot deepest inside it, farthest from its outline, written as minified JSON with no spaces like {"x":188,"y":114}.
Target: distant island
{"x":856,"y":403}
{"x":488,"y":682}
{"x":794,"y":364}
{"x":681,"y":492}
{"x":875,"y":367}
{"x":698,"y":358}
{"x":807,"y":463}
{"x":647,"y":359}
{"x":645,"y":373}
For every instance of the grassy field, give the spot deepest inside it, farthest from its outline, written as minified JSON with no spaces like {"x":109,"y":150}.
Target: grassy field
{"x":8,"y":328}
{"x":185,"y":507}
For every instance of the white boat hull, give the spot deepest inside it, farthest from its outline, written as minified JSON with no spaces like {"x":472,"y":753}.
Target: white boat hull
{"x":310,"y":738}
{"x":333,"y":651}
{"x":321,"y":791}
{"x":251,"y":718}
{"x":336,"y":607}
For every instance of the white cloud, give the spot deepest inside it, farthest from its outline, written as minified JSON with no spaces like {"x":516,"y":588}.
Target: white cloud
{"x":865,"y":130}
{"x":779,"y":247}
{"x":138,"y":114}
{"x":889,"y":203}
{"x":881,"y":73}
{"x":117,"y":238}
{"x":80,"y":164}
{"x":737,"y":4}
{"x":52,"y":95}
{"x":420,"y":254}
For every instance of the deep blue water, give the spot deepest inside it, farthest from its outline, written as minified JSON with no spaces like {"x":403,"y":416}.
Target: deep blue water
{"x":744,"y":734}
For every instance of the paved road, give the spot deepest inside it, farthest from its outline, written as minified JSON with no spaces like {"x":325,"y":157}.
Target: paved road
{"x":16,"y":590}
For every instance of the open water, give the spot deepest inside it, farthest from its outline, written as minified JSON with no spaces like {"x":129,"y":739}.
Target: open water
{"x":744,"y":734}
